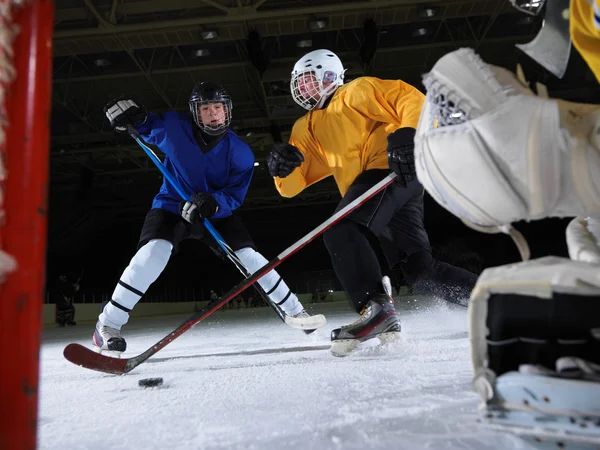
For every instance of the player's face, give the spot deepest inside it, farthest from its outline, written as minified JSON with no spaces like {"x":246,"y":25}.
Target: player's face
{"x":308,"y":86}
{"x":213,"y":114}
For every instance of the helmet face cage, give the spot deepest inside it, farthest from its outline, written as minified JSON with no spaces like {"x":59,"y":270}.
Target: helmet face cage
{"x":203,"y":96}
{"x":196,"y":108}
{"x":308,"y":87}
{"x":315,"y":77}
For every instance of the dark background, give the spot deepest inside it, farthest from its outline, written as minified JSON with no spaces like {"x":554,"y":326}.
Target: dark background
{"x":102,"y":184}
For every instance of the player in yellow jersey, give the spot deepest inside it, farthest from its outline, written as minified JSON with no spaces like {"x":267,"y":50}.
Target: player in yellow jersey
{"x":349,"y":132}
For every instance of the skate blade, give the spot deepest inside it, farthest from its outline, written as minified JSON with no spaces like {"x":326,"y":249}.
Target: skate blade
{"x":343,"y":347}
{"x":306,"y":323}
{"x":109,"y":353}
{"x":547,"y":432}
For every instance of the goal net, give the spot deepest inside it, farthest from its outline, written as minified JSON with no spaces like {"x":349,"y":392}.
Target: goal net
{"x":25,"y":87}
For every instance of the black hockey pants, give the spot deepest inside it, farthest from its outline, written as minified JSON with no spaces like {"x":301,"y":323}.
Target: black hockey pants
{"x":395,"y":217}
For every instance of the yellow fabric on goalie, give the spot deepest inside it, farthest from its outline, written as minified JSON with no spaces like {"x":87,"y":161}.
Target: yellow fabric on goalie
{"x":585,"y":32}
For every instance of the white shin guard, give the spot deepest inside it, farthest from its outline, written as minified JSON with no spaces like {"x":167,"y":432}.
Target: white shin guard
{"x":272,"y":283}
{"x":143,"y":270}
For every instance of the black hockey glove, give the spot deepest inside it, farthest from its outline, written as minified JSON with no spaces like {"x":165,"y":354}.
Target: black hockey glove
{"x":202,"y":206}
{"x":283,"y":159}
{"x":124,"y":111}
{"x":401,"y":155}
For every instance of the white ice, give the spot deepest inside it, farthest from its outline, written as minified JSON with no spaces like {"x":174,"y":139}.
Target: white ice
{"x":242,"y":379}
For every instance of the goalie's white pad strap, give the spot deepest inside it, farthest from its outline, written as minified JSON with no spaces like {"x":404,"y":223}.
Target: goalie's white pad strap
{"x":537,"y":278}
{"x":492,"y":153}
{"x":583,"y":239}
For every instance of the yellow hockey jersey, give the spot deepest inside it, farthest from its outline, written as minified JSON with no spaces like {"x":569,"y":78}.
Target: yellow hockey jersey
{"x":349,"y":136}
{"x":585,"y":31}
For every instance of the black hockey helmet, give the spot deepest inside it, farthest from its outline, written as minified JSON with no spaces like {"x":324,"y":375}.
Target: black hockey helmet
{"x":204,"y":94}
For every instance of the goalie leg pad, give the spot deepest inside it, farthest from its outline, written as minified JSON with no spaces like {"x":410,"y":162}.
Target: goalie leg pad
{"x":529,"y":323}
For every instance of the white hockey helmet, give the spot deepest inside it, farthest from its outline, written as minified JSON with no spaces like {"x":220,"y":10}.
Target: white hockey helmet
{"x":327,"y":74}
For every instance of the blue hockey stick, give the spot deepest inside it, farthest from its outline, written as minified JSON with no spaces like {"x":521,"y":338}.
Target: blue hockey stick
{"x":215,"y":234}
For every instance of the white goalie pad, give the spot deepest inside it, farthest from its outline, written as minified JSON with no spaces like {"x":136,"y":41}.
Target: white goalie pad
{"x":535,"y":348}
{"x":492,"y":153}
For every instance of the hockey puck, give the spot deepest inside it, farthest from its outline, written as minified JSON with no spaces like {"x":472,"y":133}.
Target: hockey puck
{"x":150,"y":382}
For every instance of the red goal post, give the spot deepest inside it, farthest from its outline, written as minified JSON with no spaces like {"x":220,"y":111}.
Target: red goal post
{"x":25,"y":97}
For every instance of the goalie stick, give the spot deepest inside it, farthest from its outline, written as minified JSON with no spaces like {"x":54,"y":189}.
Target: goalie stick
{"x":85,"y":357}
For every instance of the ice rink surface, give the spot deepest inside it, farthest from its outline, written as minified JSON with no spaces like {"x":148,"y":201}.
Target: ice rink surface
{"x":243,"y":380}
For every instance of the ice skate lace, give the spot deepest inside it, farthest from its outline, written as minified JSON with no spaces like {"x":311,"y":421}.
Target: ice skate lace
{"x":364,"y":314}
{"x":577,"y":368}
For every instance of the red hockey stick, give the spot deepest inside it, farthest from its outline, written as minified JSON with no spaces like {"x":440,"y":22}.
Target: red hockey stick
{"x":85,"y":357}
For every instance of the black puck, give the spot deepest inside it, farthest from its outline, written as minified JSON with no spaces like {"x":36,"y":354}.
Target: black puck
{"x":150,"y":382}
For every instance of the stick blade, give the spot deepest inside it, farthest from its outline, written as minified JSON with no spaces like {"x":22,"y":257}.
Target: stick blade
{"x":306,"y":323}
{"x":84,"y":357}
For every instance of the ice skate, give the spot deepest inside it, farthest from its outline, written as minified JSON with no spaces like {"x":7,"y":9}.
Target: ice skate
{"x":108,"y":341}
{"x":304,"y":321}
{"x":568,"y":405}
{"x":378,"y":319}
{"x":536,"y":353}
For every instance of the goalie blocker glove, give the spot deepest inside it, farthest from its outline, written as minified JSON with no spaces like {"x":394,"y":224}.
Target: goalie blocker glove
{"x":283,"y":159}
{"x":535,"y":336}
{"x":202,"y":206}
{"x":123,"y":111}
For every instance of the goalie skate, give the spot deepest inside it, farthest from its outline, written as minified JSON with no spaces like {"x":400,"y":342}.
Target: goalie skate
{"x":534,"y":330}
{"x":547,"y":411}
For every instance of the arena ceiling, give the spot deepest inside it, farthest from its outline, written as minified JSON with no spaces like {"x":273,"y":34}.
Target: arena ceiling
{"x":155,"y":50}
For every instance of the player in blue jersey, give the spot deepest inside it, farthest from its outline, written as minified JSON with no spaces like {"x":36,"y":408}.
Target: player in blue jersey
{"x":214,"y":167}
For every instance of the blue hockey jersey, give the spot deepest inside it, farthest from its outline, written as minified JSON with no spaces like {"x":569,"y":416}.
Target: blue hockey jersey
{"x":225,"y":171}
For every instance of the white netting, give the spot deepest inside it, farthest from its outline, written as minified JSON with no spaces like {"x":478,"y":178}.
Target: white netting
{"x":446,"y":108}
{"x":8,"y":31}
